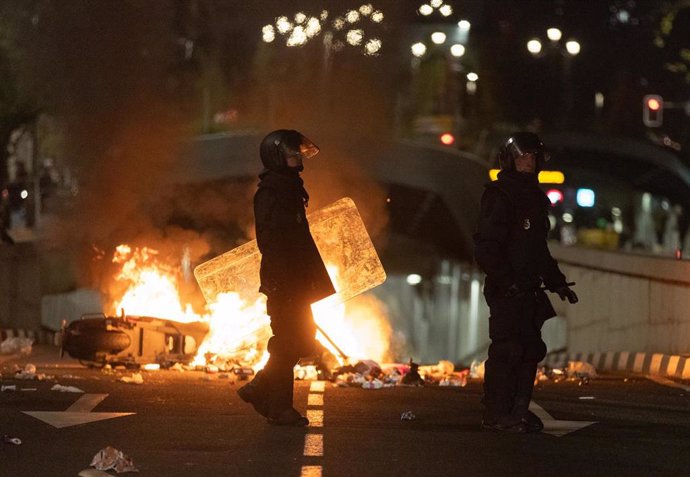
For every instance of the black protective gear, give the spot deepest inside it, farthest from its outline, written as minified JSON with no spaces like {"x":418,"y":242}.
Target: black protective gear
{"x":510,"y":244}
{"x":567,"y":292}
{"x":278,"y":145}
{"x":520,"y":143}
{"x":511,"y":248}
{"x":293,"y":276}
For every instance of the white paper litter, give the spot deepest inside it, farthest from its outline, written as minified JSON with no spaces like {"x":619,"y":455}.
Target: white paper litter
{"x":66,"y":389}
{"x":136,"y":378}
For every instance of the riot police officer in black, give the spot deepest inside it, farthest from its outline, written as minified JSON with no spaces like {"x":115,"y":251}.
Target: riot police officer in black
{"x":511,"y":248}
{"x":293,"y":275}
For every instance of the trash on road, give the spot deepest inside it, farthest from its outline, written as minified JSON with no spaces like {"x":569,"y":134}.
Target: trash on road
{"x":437,"y":371}
{"x":93,"y":473}
{"x":459,"y":381}
{"x":151,"y":367}
{"x":66,"y":389}
{"x":16,"y":345}
{"x":111,"y":458}
{"x":477,"y":369}
{"x":10,"y":440}
{"x":407,"y":416}
{"x":136,"y":378}
{"x":581,"y":370}
{"x":9,"y":387}
{"x":413,"y":378}
{"x":586,"y":397}
{"x":29,"y":373}
{"x":373,"y":384}
{"x":177,"y":367}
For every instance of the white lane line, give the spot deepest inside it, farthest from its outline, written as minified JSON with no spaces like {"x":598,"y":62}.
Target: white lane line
{"x":317,"y":386}
{"x":311,"y":471}
{"x":315,"y":400}
{"x":667,"y":382}
{"x":313,"y":445}
{"x":315,"y":417}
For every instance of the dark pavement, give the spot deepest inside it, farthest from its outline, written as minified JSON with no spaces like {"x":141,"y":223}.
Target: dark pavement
{"x":192,"y":424}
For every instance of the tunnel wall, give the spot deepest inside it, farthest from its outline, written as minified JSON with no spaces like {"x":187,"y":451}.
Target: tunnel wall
{"x":627,"y":302}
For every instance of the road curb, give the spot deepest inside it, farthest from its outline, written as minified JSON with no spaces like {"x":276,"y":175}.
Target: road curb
{"x":658,"y":364}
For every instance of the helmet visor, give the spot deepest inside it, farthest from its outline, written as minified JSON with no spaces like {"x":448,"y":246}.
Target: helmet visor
{"x":536,"y":147}
{"x":307,"y":148}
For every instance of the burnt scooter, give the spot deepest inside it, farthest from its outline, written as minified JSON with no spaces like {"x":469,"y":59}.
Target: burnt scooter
{"x":96,"y":340}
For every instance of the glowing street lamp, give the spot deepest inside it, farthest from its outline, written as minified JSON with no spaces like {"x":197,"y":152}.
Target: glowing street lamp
{"x":426,"y":10}
{"x":473,"y":77}
{"x":457,"y":50}
{"x":464,"y":25}
{"x":534,"y":46}
{"x":418,"y":49}
{"x":572,"y":47}
{"x":438,"y":37}
{"x":554,"y":34}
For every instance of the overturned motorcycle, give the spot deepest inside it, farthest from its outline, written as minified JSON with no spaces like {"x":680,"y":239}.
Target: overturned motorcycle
{"x":96,"y":340}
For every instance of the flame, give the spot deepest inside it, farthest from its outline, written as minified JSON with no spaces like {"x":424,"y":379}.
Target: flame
{"x":238,"y":330}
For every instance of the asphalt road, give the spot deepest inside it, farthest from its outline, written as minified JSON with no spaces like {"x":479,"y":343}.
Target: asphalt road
{"x":192,"y":424}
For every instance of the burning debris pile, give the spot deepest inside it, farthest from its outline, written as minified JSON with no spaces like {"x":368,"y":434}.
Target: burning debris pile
{"x":368,"y":374}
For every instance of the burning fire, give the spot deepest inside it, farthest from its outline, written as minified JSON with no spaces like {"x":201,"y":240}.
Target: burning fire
{"x":239,"y":330}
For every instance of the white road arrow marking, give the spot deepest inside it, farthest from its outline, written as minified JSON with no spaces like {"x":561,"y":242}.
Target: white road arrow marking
{"x":77,"y":413}
{"x":554,"y":426}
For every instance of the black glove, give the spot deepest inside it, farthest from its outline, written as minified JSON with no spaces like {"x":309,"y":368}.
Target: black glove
{"x":565,"y":292}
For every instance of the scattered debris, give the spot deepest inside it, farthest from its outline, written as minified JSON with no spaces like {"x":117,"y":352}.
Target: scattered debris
{"x":29,"y":389}
{"x":16,"y":345}
{"x":66,"y":389}
{"x":93,"y":473}
{"x":29,"y":373}
{"x":111,"y":458}
{"x":136,"y":378}
{"x":10,"y":440}
{"x":413,"y":378}
{"x":374,"y":384}
{"x":459,"y":380}
{"x":243,"y":372}
{"x":71,"y":376}
{"x":9,"y":387}
{"x":477,"y":369}
{"x":306,"y":373}
{"x":211,"y":369}
{"x":151,"y":367}
{"x":407,"y":416}
{"x":581,"y":370}
{"x":177,"y":367}
{"x":586,"y":397}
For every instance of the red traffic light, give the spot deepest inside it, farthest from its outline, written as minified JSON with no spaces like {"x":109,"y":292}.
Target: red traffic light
{"x":447,"y":139}
{"x":653,"y":110}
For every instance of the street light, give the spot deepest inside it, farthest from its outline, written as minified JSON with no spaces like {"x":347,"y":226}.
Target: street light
{"x":418,"y":49}
{"x":534,"y":46}
{"x":457,"y":50}
{"x":573,"y":47}
{"x":438,"y":37}
{"x":554,"y":34}
{"x":426,"y":10}
{"x":473,"y":77}
{"x":464,"y":25}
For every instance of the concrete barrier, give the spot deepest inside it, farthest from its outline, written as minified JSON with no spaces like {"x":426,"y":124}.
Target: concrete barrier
{"x":628,"y":302}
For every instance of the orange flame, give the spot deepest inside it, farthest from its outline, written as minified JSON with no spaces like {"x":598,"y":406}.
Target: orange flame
{"x":238,"y":330}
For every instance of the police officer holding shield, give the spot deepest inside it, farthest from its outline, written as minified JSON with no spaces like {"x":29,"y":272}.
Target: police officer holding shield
{"x":293,"y":275}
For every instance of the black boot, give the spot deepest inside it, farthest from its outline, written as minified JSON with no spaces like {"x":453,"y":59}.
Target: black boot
{"x":523,"y":397}
{"x":288,"y":417}
{"x":254,"y":393}
{"x":506,"y":423}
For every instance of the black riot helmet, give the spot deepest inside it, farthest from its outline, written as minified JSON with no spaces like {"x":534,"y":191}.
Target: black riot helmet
{"x":278,"y":145}
{"x":520,"y":143}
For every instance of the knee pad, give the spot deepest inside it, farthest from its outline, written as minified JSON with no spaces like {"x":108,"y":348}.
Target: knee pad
{"x":506,"y":351}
